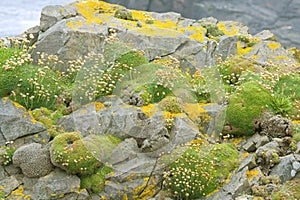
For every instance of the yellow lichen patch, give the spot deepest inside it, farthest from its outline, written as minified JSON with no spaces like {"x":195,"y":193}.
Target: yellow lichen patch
{"x":252,"y":174}
{"x":4,"y":99}
{"x":141,"y":15}
{"x":125,"y":197}
{"x":19,"y":194}
{"x":196,"y":112}
{"x":169,"y":115}
{"x":243,"y":50}
{"x":99,"y":106}
{"x":230,"y":31}
{"x":150,"y":110}
{"x":274,"y":45}
{"x":144,"y":192}
{"x":245,"y":155}
{"x":296,"y":121}
{"x":195,"y":33}
{"x":281,"y":58}
{"x":74,"y":24}
{"x":89,"y":10}
{"x":32,"y":117}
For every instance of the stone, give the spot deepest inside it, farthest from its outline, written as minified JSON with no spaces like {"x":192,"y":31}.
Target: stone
{"x":33,"y":159}
{"x":9,"y":184}
{"x":238,"y":183}
{"x":32,"y":34}
{"x":298,"y":148}
{"x":15,"y":122}
{"x":254,"y":176}
{"x":284,"y":168}
{"x":183,"y":131}
{"x":255,"y":142}
{"x":296,"y":165}
{"x":56,"y":184}
{"x":249,"y":162}
{"x":265,"y":35}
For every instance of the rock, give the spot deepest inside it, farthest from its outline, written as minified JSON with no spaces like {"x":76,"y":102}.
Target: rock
{"x":32,"y":34}
{"x":238,"y":183}
{"x":8,"y":184}
{"x":126,"y":150}
{"x":3,"y":174}
{"x":33,"y":159}
{"x":265,"y":35}
{"x":183,"y":131}
{"x":255,"y":142}
{"x":15,"y":122}
{"x":284,"y":168}
{"x":275,"y":126}
{"x":254,"y":176}
{"x":52,"y":14}
{"x":298,"y":148}
{"x":249,"y":162}
{"x":56,"y":185}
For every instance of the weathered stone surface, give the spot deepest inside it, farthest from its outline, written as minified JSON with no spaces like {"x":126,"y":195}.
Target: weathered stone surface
{"x":55,"y":185}
{"x":281,"y":17}
{"x":183,"y":131}
{"x":255,"y":142}
{"x":9,"y":184}
{"x":33,"y":159}
{"x":249,"y":161}
{"x":15,"y":122}
{"x":284,"y":168}
{"x":238,"y":183}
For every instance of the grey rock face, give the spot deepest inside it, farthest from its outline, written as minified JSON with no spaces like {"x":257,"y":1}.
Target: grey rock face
{"x":9,"y":184}
{"x":15,"y":122}
{"x":55,"y":185}
{"x":33,"y":159}
{"x":281,"y":17}
{"x":284,"y":169}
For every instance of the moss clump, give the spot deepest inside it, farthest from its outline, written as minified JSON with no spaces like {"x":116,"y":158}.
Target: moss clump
{"x":171,"y":104}
{"x":200,"y":170}
{"x":6,"y":154}
{"x":70,"y":153}
{"x":95,"y":182}
{"x":245,"y":105}
{"x":212,"y":30}
{"x":123,"y":13}
{"x":289,"y":191}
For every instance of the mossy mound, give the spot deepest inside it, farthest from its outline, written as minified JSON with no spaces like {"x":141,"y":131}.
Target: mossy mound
{"x":245,"y":106}
{"x":288,"y":191}
{"x":95,"y":182}
{"x":70,"y":153}
{"x":200,"y":170}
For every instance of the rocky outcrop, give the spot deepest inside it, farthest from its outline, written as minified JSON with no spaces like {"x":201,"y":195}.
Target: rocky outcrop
{"x":282,"y":19}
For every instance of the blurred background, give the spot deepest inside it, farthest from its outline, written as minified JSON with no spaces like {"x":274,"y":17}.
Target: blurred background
{"x":281,"y":17}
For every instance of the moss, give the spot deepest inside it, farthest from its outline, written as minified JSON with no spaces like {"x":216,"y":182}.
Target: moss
{"x":245,"y":105}
{"x":296,"y":135}
{"x":123,"y":13}
{"x":171,"y":104}
{"x":212,"y":30}
{"x":289,"y":191}
{"x":69,"y":151}
{"x":200,"y":170}
{"x":96,"y":181}
{"x":132,"y":59}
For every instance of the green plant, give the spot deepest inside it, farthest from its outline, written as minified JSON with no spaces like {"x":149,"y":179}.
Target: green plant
{"x":171,"y":104}
{"x":296,"y":135}
{"x":288,"y":86}
{"x":245,"y":105}
{"x":282,"y":105}
{"x":289,"y":190}
{"x":200,"y":170}
{"x":69,"y":152}
{"x":212,"y":30}
{"x":96,"y":181}
{"x":6,"y":154}
{"x":123,"y":13}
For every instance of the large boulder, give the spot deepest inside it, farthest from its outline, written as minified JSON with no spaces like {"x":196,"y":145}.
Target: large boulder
{"x":33,"y":159}
{"x":16,"y":122}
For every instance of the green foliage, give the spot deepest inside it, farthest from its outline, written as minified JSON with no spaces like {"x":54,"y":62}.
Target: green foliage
{"x":6,"y":53}
{"x":69,"y":151}
{"x":123,"y":13}
{"x":96,"y":181}
{"x":296,"y":135}
{"x":200,"y":170}
{"x":36,"y":87}
{"x":289,"y":86}
{"x":231,"y":69}
{"x":171,"y":104}
{"x":245,"y":105}
{"x":288,"y":191}
{"x":6,"y":154}
{"x":212,"y":30}
{"x":199,"y":88}
{"x":282,"y":105}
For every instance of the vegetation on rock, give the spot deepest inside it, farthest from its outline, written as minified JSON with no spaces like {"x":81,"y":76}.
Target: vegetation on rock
{"x":200,"y":170}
